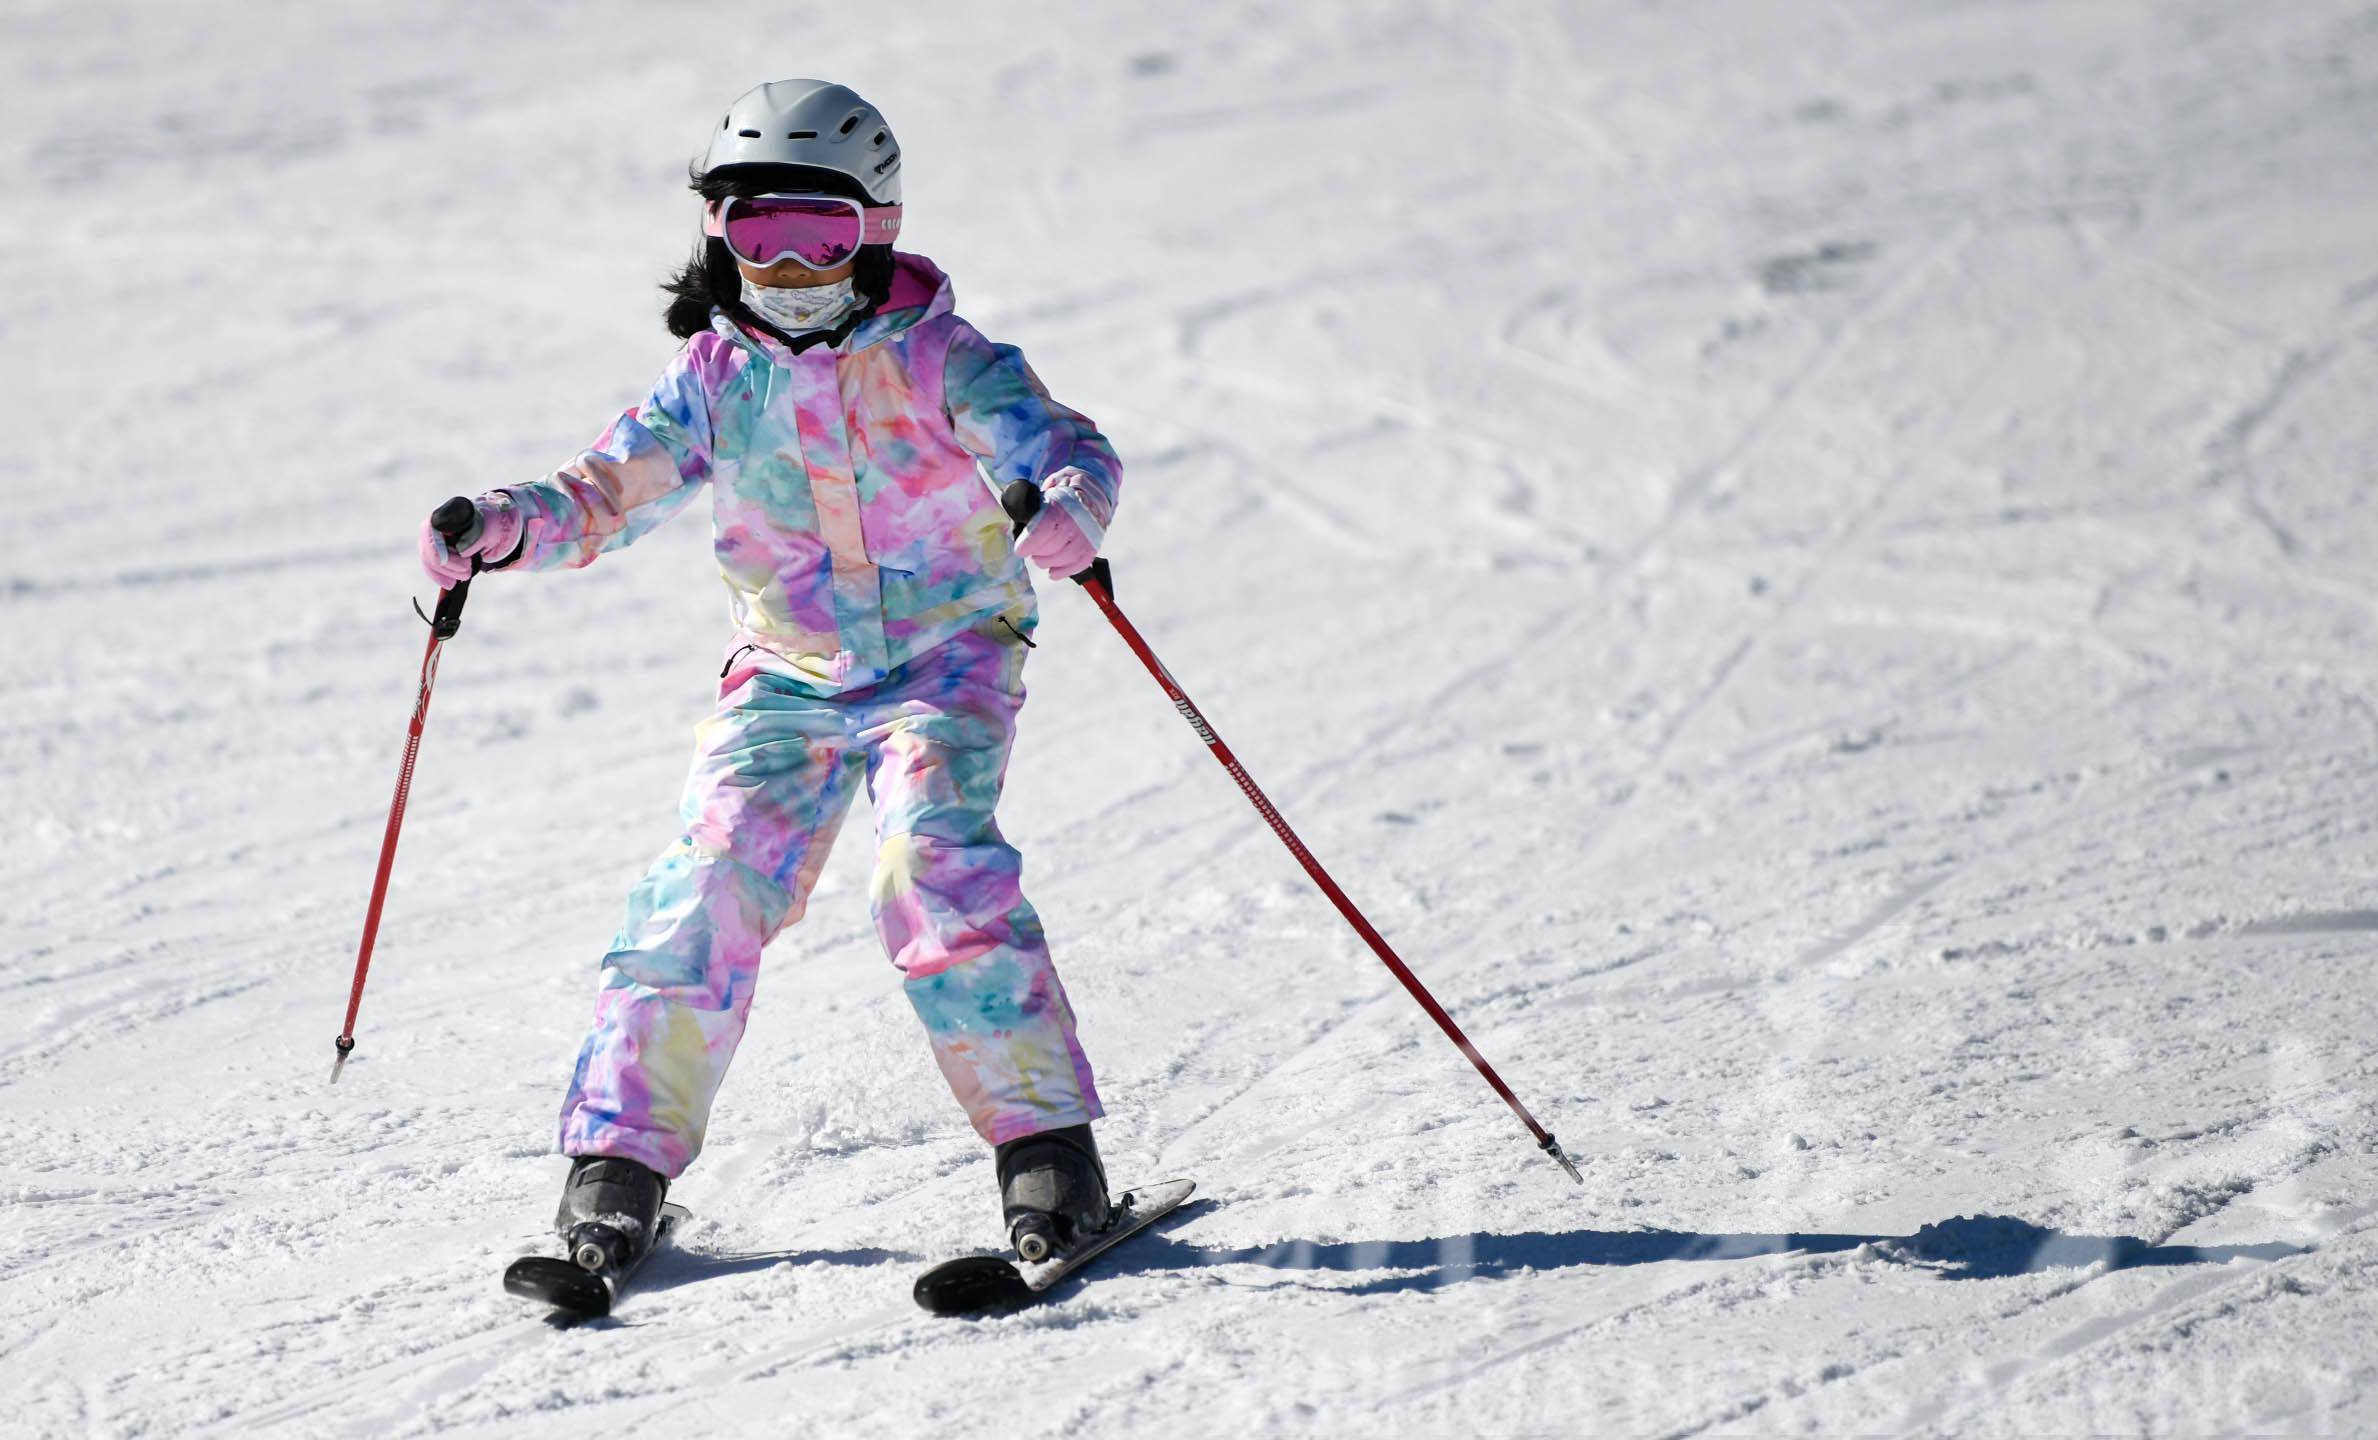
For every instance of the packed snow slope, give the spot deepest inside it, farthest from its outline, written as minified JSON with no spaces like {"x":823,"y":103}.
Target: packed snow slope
{"x":1810,"y":564}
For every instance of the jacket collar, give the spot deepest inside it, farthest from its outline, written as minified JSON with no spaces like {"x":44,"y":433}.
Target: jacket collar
{"x":919,"y":292}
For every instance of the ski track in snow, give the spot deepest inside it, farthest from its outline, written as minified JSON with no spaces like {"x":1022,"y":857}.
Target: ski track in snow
{"x":1808,"y":565}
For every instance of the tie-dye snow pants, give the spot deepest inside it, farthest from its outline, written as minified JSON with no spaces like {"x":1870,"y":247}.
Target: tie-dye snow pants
{"x":774,"y":772}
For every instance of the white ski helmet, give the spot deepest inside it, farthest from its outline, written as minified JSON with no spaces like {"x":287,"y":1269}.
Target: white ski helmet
{"x":810,"y":122}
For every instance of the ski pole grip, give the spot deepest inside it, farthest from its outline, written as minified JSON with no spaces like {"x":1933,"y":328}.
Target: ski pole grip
{"x":1022,"y":500}
{"x":456,"y":520}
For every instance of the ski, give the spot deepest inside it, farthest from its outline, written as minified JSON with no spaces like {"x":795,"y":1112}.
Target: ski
{"x":571,"y":1288}
{"x":973,"y":1284}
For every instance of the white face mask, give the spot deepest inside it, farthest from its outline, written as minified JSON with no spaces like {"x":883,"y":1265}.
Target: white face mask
{"x":795,"y":309}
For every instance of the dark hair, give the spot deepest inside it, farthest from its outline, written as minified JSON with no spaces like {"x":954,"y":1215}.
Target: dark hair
{"x":709,"y":280}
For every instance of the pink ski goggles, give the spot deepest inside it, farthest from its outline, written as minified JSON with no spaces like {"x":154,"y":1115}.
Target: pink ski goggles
{"x":819,"y":231}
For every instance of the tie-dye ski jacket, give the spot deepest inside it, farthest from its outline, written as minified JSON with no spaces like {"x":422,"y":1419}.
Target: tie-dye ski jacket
{"x":853,"y":526}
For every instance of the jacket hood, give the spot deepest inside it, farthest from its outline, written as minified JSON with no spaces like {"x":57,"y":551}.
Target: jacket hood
{"x":919,"y":292}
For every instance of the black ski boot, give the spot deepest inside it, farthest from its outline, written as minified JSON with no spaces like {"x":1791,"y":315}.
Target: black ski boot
{"x":610,"y":1212}
{"x":1054,"y":1190}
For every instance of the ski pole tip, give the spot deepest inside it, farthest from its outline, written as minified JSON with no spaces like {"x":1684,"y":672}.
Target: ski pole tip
{"x":1552,"y":1147}
{"x":344,"y":1045}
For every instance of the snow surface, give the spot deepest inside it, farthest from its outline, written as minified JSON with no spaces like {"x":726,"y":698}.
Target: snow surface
{"x":1811,"y":565}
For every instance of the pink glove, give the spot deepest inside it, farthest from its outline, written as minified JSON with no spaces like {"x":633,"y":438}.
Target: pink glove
{"x":494,"y":537}
{"x":1064,"y":537}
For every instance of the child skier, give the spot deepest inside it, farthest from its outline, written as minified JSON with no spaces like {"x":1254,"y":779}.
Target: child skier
{"x":843,"y":416}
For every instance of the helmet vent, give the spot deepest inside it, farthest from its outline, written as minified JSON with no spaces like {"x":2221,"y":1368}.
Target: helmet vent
{"x":749,"y":134}
{"x":800,"y":134}
{"x":880,"y":137}
{"x":849,"y":123}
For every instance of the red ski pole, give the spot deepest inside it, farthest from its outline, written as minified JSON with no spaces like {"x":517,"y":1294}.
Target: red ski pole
{"x":1022,"y":500}
{"x":454,"y":520}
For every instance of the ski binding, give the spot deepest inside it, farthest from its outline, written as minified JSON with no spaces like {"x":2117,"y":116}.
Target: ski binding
{"x":974,"y":1284}
{"x":577,"y":1289}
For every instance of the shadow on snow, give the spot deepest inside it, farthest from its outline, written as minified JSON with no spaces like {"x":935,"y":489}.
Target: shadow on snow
{"x":1970,"y":1247}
